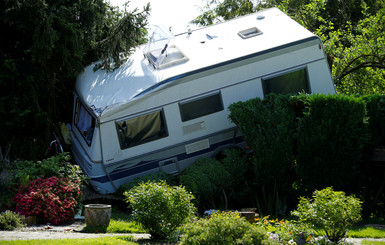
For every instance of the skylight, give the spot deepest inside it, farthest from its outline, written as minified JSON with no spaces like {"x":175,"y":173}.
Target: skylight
{"x":160,"y":50}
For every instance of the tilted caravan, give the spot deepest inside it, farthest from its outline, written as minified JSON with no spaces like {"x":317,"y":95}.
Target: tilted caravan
{"x":167,"y":106}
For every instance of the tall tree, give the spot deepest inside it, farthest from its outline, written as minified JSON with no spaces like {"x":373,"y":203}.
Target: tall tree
{"x":48,"y":43}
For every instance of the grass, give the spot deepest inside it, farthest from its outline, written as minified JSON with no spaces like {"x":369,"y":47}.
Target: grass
{"x":121,"y":240}
{"x":367,"y":242}
{"x":121,"y":222}
{"x":364,"y":232}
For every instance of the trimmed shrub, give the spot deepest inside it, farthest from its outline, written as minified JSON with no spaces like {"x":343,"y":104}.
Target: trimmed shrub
{"x":332,"y":134}
{"x":55,"y":200}
{"x":269,"y":128}
{"x":223,"y":228}
{"x":160,"y":208}
{"x":10,"y":221}
{"x":375,"y":105}
{"x":330,"y":211}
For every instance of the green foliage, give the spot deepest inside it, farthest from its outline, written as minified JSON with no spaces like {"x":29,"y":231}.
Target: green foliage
{"x":48,"y":44}
{"x":332,"y":134}
{"x":367,"y":231}
{"x":218,"y":183}
{"x":269,"y":128}
{"x":6,"y":194}
{"x":331,"y":211}
{"x":208,"y":180}
{"x":358,"y":53}
{"x":22,"y":172}
{"x":223,"y":228}
{"x":10,"y":221}
{"x":60,"y":166}
{"x":123,"y":37}
{"x":160,"y":208}
{"x":369,"y":242}
{"x":111,"y":240}
{"x":216,"y":11}
{"x":288,"y":231}
{"x":375,"y":106}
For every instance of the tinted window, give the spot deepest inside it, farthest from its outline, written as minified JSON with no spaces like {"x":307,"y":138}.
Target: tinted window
{"x":142,"y":129}
{"x":200,"y":107}
{"x":84,"y":122}
{"x":289,"y":83}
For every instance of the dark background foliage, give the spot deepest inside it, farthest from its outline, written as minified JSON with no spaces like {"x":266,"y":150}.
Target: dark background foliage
{"x":46,"y":46}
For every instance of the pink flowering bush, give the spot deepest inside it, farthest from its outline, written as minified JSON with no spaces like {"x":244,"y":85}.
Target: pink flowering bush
{"x":53,"y":199}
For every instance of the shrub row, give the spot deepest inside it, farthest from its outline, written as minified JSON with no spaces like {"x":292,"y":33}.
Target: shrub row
{"x":308,"y":142}
{"x":166,"y":212}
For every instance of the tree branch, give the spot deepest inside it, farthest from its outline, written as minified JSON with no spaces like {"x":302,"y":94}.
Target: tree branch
{"x":374,"y":64}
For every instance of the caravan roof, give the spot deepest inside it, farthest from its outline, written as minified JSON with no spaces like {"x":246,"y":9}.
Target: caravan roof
{"x":187,"y":53}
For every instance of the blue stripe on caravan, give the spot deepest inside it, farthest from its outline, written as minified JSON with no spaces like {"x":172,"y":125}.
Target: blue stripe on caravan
{"x":148,"y":165}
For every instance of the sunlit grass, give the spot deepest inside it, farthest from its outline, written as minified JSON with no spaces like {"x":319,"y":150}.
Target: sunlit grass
{"x":367,"y":242}
{"x":121,"y":240}
{"x":363,"y":232}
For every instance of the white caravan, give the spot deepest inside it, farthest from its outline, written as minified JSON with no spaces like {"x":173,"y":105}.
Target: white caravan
{"x":167,"y":105}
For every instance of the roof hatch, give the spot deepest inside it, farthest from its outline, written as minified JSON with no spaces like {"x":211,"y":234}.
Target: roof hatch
{"x":251,"y":32}
{"x":160,"y":50}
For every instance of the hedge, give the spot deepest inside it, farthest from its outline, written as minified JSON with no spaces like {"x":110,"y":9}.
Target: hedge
{"x":307,"y":142}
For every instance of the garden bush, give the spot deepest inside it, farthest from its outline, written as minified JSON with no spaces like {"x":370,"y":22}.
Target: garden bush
{"x":269,"y":128}
{"x":53,"y":199}
{"x":59,"y":166}
{"x":223,"y":228}
{"x":10,"y":221}
{"x":288,"y":231}
{"x":22,"y":172}
{"x":332,"y":134}
{"x":237,"y":164}
{"x":160,"y":208}
{"x":330,"y":211}
{"x":209,"y":181}
{"x":375,"y":105}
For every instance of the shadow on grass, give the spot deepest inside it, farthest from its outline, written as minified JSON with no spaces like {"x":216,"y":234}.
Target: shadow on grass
{"x":94,"y":229}
{"x":154,"y":242}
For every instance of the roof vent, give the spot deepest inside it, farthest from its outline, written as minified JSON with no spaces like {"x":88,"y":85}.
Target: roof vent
{"x":160,"y":51}
{"x":251,"y":32}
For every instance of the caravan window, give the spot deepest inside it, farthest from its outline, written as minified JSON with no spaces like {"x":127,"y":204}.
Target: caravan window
{"x":84,"y":122}
{"x":289,"y":83}
{"x":200,"y":107}
{"x":142,"y":129}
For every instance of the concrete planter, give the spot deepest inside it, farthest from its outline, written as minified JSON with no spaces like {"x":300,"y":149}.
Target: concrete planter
{"x":97,"y":215}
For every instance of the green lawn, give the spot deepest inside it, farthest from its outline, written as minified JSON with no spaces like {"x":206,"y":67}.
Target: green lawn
{"x":366,"y":242}
{"x":126,"y":240}
{"x":364,"y":232}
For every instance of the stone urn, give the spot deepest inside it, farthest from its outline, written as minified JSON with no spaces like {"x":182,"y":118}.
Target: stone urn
{"x":97,"y":215}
